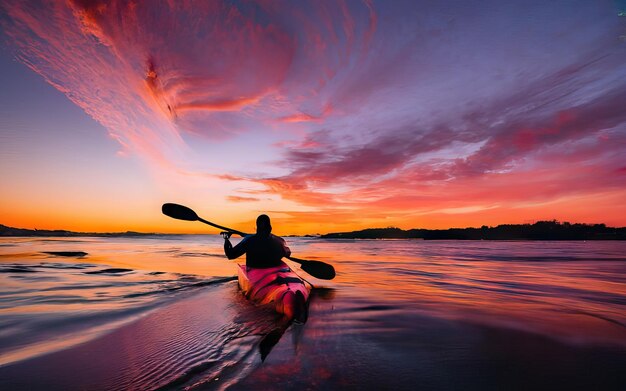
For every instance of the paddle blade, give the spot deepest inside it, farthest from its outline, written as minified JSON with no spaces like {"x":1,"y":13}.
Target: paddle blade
{"x":319,"y":269}
{"x":179,"y":212}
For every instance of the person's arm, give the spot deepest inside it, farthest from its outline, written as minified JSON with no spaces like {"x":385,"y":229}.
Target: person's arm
{"x":234,"y":252}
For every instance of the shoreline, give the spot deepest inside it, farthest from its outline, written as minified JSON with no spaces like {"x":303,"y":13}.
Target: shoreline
{"x":538,"y":231}
{"x":177,"y":343}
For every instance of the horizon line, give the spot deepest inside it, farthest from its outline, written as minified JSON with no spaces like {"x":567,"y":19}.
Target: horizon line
{"x":307,"y":234}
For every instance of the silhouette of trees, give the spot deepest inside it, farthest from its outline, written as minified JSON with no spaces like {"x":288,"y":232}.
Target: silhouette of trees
{"x":541,"y":230}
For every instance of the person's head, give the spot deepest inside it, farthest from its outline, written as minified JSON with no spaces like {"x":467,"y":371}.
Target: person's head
{"x":263,"y":225}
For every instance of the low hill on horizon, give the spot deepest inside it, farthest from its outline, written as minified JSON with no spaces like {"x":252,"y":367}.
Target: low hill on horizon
{"x":11,"y":231}
{"x":541,"y":230}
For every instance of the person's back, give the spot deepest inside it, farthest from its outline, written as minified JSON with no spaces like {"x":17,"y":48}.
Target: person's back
{"x":262,"y":250}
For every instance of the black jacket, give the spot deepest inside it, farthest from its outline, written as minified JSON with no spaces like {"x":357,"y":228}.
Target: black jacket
{"x":261,"y":251}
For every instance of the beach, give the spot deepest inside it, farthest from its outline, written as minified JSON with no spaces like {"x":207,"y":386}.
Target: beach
{"x":166,"y":313}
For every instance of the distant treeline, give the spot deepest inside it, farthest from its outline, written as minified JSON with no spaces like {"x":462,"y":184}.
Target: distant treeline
{"x":10,"y":231}
{"x":541,"y":230}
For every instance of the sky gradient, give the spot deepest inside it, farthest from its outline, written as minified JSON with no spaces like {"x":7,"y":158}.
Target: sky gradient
{"x":328,"y":116}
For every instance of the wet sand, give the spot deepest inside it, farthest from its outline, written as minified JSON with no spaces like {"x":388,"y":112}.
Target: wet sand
{"x":191,"y":340}
{"x":210,"y":340}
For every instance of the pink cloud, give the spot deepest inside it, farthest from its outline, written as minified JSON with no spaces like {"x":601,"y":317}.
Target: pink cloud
{"x":554,"y":155}
{"x":242,"y":199}
{"x":300,"y":117}
{"x":175,"y":59}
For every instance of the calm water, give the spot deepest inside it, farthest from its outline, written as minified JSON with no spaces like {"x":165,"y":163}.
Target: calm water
{"x":165,"y":312}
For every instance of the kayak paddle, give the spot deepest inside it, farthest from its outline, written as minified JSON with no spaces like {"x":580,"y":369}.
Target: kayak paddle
{"x":317,"y":269}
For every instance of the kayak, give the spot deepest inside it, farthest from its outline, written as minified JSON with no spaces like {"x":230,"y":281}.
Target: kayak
{"x":278,"y":285}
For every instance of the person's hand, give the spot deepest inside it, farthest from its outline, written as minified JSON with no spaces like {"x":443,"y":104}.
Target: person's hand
{"x":226,"y":235}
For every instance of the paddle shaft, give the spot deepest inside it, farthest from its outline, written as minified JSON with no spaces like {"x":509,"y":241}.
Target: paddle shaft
{"x":222,"y":227}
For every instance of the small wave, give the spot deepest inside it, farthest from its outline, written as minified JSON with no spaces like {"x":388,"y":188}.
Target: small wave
{"x":212,"y":281}
{"x":597,"y":316}
{"x":548,"y":258}
{"x":110,"y":271}
{"x":79,"y":266}
{"x":76,"y":254}
{"x":200,"y":254}
{"x":373,"y":308}
{"x":16,"y":269}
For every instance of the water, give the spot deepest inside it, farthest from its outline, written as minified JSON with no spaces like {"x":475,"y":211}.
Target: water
{"x":165,"y":312}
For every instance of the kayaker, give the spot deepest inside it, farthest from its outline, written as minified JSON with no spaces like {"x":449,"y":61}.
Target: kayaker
{"x":262,"y":250}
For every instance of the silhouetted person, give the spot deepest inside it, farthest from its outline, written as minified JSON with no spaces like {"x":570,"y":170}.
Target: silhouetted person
{"x":262,"y":250}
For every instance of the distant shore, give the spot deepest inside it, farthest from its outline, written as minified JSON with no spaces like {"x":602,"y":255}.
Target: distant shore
{"x":11,"y":231}
{"x":541,"y":230}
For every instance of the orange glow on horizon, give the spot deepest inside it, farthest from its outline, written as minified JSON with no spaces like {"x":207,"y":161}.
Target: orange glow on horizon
{"x":595,"y":209}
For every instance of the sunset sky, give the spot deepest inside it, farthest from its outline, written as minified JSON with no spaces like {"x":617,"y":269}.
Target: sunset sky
{"x":327,"y":115}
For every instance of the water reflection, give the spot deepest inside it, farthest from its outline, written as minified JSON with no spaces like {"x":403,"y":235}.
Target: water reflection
{"x":571,"y":291}
{"x":396,"y":308}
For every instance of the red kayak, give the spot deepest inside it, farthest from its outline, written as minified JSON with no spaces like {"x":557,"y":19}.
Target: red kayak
{"x":277,"y":285}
